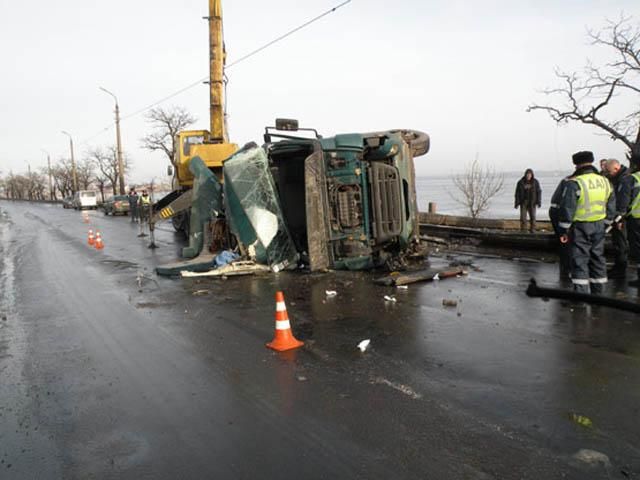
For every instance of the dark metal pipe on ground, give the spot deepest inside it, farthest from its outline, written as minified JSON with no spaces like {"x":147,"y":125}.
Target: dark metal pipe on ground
{"x":534,"y":291}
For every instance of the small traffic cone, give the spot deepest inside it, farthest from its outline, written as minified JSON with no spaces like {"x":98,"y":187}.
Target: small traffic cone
{"x":85,"y":217}
{"x":98,"y":243}
{"x":91,"y":240}
{"x":284,"y":339}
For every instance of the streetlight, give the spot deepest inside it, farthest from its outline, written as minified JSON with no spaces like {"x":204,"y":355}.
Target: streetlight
{"x":49,"y":171}
{"x":118,"y":142}
{"x":73,"y":163}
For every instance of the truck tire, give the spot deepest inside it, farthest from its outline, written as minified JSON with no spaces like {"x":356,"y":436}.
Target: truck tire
{"x":180,"y":222}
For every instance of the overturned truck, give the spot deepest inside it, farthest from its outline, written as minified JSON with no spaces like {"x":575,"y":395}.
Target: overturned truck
{"x":343,"y":202}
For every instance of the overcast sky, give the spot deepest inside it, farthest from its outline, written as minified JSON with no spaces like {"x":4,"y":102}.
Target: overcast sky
{"x":462,"y":71}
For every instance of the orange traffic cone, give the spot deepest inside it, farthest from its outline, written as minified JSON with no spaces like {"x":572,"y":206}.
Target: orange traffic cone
{"x":284,"y":339}
{"x":98,"y":244}
{"x":91,"y":240}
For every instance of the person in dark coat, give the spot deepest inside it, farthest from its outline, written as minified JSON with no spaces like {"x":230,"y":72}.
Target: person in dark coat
{"x":619,"y":175}
{"x":633,"y":218}
{"x":528,"y":198}
{"x":587,"y":207}
{"x":133,"y":205}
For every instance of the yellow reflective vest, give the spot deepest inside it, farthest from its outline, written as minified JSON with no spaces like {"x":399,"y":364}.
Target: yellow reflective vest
{"x":634,"y":209}
{"x":595,"y":191}
{"x":145,"y":201}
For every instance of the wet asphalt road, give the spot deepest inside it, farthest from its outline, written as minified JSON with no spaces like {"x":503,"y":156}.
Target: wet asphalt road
{"x":101,"y":378}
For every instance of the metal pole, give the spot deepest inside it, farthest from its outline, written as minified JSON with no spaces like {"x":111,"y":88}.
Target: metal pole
{"x":49,"y":172}
{"x":73,"y":163}
{"x":50,"y":178}
{"x":119,"y":151}
{"x":118,"y":142}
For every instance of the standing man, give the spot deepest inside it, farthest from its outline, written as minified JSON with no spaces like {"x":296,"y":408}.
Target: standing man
{"x":133,"y":205}
{"x":603,"y":167}
{"x":619,"y":176}
{"x":586,"y":207}
{"x":564,"y":249}
{"x":528,"y":197}
{"x":144,"y":204}
{"x":633,"y":220}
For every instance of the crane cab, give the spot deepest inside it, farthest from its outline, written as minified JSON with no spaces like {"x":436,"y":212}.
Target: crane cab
{"x":192,"y":143}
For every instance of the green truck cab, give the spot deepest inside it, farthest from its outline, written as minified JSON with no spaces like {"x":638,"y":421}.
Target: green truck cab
{"x":342,"y":202}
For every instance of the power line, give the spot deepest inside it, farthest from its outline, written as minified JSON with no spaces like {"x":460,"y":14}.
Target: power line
{"x":241,"y":59}
{"x":203,"y":79}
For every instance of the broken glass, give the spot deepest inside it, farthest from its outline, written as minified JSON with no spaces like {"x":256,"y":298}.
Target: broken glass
{"x":253,"y":209}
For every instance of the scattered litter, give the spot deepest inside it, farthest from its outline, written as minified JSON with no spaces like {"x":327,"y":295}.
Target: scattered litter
{"x":225,"y":257}
{"x":592,"y":457}
{"x":302,"y":378}
{"x":391,"y":299}
{"x":330,"y":293}
{"x":449,"y":303}
{"x":364,"y":344}
{"x":200,"y":292}
{"x":402,"y":287}
{"x":581,"y":420}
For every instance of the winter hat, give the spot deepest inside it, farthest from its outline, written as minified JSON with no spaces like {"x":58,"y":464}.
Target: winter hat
{"x":582,"y":157}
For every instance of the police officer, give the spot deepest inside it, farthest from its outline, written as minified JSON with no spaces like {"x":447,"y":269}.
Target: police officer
{"x":564,"y":250}
{"x":633,"y":222}
{"x":618,"y":174}
{"x":586,"y":207}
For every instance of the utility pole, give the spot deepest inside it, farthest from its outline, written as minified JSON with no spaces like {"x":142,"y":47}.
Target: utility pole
{"x":217,"y":57}
{"x":49,"y":172}
{"x":73,"y":163}
{"x":118,"y":142}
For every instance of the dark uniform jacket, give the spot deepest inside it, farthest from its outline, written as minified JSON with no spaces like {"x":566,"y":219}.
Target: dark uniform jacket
{"x":622,"y":186}
{"x":569,"y":201}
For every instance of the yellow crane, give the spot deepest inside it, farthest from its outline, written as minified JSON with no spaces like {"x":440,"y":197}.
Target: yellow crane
{"x":212,"y":145}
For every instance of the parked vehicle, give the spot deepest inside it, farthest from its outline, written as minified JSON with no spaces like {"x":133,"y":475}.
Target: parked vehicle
{"x":85,"y":199}
{"x":116,"y":205}
{"x":67,"y":202}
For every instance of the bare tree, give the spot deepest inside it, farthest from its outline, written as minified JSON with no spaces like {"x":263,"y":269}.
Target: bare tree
{"x":84,"y":171}
{"x":62,"y":177}
{"x":166,"y":124}
{"x":584,"y":97}
{"x":476,"y":187}
{"x":105,"y":161}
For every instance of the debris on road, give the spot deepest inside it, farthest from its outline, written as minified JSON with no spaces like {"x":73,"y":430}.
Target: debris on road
{"x":592,"y":457}
{"x":581,"y":420}
{"x":427,"y":275}
{"x":534,"y":291}
{"x":364,"y":344}
{"x":402,"y":287}
{"x":239,"y":267}
{"x":200,"y":292}
{"x":449,"y":303}
{"x":330,"y":293}
{"x":390,"y":298}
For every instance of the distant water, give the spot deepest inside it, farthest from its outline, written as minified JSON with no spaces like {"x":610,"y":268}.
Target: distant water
{"x":441,"y":190}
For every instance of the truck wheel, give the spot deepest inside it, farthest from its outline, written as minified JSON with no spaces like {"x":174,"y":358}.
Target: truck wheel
{"x":180,"y":222}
